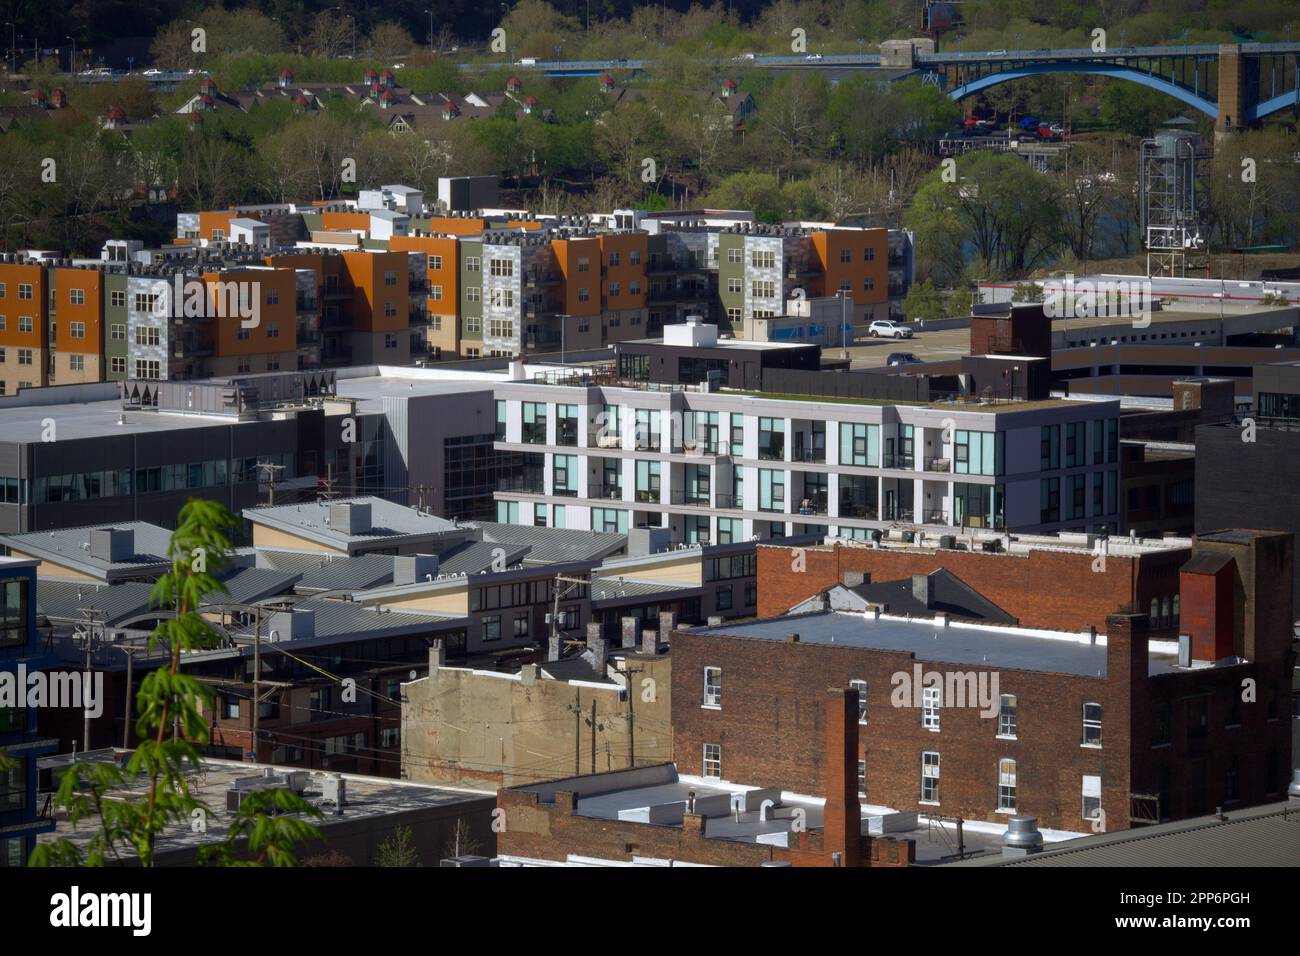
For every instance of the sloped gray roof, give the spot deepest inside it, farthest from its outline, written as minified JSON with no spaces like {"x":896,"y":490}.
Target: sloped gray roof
{"x":249,"y":585}
{"x":69,"y":547}
{"x":478,"y":556}
{"x":554,"y":545}
{"x":619,"y":589}
{"x":389,"y":522}
{"x":347,"y":574}
{"x":1258,"y":836}
{"x":60,"y":601}
{"x":952,"y":596}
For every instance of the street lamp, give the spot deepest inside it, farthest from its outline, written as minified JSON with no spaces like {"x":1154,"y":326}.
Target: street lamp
{"x":430,"y":13}
{"x":844,"y":307}
{"x":72,"y":53}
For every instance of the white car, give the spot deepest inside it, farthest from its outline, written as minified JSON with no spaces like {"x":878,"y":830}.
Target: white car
{"x":153,"y":72}
{"x":813,"y":56}
{"x":888,"y":329}
{"x":996,"y":53}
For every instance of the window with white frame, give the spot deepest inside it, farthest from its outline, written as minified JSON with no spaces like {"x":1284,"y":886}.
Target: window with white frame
{"x":930,"y":776}
{"x":1007,"y":785}
{"x":1092,"y":725}
{"x":930,"y":708}
{"x":1007,"y":716}
{"x":713,"y":687}
{"x":713,"y":760}
{"x":862,"y":778}
{"x":861,"y":687}
{"x":1091,"y":797}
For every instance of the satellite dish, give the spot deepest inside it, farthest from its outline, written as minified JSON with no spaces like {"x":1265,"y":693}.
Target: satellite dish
{"x":412,"y":675}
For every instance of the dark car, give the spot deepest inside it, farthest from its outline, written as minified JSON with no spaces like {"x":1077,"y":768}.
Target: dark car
{"x":902,"y":358}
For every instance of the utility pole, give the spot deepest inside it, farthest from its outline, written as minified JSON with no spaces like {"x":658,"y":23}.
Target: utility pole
{"x":577,"y":732}
{"x":257,"y":673}
{"x":90,"y":614}
{"x":126,"y":705}
{"x":631,"y":718}
{"x":270,"y":470}
{"x":593,"y":735}
{"x":328,"y":483}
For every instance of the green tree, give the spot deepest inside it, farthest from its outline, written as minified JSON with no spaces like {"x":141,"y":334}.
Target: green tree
{"x":268,"y":825}
{"x":923,"y":302}
{"x":398,"y":850}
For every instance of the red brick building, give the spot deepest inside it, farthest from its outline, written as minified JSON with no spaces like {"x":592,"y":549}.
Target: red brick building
{"x":1043,"y":582}
{"x":1064,"y":726}
{"x":588,"y":817}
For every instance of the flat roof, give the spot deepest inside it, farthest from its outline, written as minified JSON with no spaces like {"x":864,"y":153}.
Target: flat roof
{"x":367,"y":798}
{"x":983,"y":645}
{"x":388,"y":521}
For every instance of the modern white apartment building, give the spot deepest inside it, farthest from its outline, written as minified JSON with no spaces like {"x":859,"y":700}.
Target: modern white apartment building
{"x":727,"y":466}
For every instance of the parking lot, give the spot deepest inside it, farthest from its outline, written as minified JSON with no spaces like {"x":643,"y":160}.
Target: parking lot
{"x":938,"y":346}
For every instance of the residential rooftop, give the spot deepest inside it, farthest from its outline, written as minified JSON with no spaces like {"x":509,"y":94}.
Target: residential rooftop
{"x":949,"y":642}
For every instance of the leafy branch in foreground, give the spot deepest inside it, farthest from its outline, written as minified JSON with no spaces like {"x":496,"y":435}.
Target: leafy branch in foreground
{"x":129,"y":823}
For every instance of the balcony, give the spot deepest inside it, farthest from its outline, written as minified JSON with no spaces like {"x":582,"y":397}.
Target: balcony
{"x":852,"y":509}
{"x":604,"y":441}
{"x":938,"y":464}
{"x":936,"y":517}
{"x":650,"y":496}
{"x":565,"y":492}
{"x":816,"y":456}
{"x":776,"y":453}
{"x":566,"y":434}
{"x":521,"y":486}
{"x":698,"y":448}
{"x":609,"y":492}
{"x":731,"y":502}
{"x":899,"y":514}
{"x":697,"y":499}
{"x":533,"y":434}
{"x":907,"y":462}
{"x":814,"y":504}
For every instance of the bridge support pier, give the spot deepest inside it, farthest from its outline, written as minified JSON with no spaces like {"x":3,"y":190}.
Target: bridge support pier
{"x":1232,"y":91}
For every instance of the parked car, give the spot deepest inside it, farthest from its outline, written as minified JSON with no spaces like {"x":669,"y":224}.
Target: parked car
{"x":996,"y":53}
{"x":902,"y":358}
{"x":889,"y":329}
{"x":153,"y":71}
{"x":813,"y":56}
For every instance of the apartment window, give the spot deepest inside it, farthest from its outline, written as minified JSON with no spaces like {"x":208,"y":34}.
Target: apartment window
{"x":2,"y":290}
{"x":492,"y":627}
{"x":390,"y":340}
{"x":503,"y":299}
{"x":846,"y":255}
{"x":146,"y":302}
{"x":76,"y":363}
{"x":930,"y":708}
{"x":734,"y":285}
{"x":117,"y":364}
{"x":232,"y":708}
{"x":763,"y":259}
{"x":722,"y":595}
{"x":147,"y":335}
{"x":390,"y":309}
{"x":24,"y":356}
{"x":521,"y":620}
{"x":435,"y":262}
{"x":978,"y":453}
{"x":272,"y":330}
{"x":1049,"y":490}
{"x":565,"y":475}
{"x":24,"y":290}
{"x":502,"y":267}
{"x":1007,"y":785}
{"x":1075,"y":444}
{"x":1006,"y":716}
{"x":648,"y":482}
{"x":713,"y":760}
{"x":735,"y":255}
{"x":3,"y":323}
{"x":614,"y":258}
{"x":771,"y":490}
{"x":435,"y":293}
{"x":859,"y":445}
{"x":1092,"y":725}
{"x":1049,"y":447}
{"x":861,"y":687}
{"x":713,"y":687}
{"x":614,"y":289}
{"x":117,"y":299}
{"x":771,"y":439}
{"x":930,"y":777}
{"x":473,"y":294}
{"x":1091,"y":798}
{"x":862,"y":778}
{"x":25,"y":323}
{"x":869,"y":254}
{"x":763,"y":289}
{"x":77,"y":296}
{"x":77,"y":330}
{"x":147,"y":369}
{"x":472,"y":264}
{"x":534,"y":423}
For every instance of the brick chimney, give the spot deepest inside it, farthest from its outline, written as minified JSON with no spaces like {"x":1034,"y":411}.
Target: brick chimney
{"x":649,"y":641}
{"x":437,"y":655}
{"x":923,"y":589}
{"x":842,"y":832}
{"x":554,"y":645}
{"x":1207,"y":606}
{"x":667,"y":622}
{"x":629,"y":625}
{"x":596,"y":644}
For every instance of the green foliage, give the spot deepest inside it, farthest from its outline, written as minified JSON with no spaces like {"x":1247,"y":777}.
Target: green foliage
{"x":170,"y":702}
{"x":398,"y":850}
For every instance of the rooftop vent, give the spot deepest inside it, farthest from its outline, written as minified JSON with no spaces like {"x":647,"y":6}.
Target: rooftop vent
{"x":350,"y":517}
{"x":112,"y":544}
{"x":1022,"y":837}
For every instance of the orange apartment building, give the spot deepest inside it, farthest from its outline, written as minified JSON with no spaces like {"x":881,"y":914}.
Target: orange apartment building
{"x":76,"y":315}
{"x":441,"y":287}
{"x":857,"y":262}
{"x":24,"y":326}
{"x":269,"y":346}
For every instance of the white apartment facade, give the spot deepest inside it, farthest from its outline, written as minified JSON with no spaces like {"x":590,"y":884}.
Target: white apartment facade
{"x":719,"y":467}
